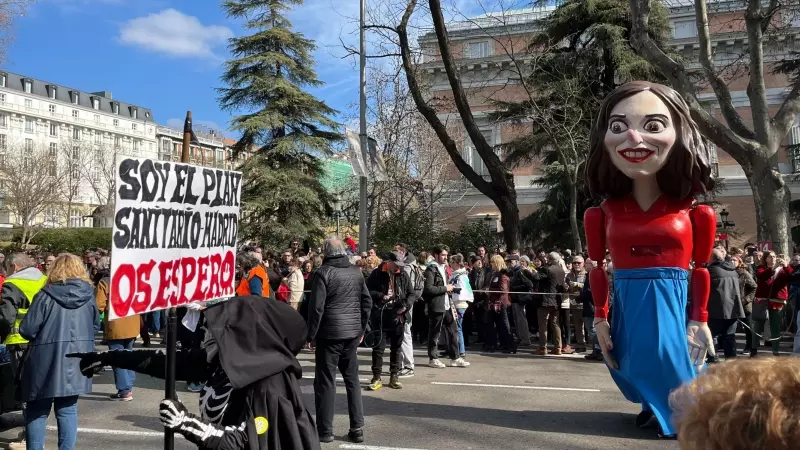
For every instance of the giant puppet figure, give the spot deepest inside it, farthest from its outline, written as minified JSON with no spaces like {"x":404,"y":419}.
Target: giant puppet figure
{"x":647,"y":160}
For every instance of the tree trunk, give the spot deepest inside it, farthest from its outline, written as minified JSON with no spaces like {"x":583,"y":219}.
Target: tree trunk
{"x":771,"y":198}
{"x":573,"y":219}
{"x":509,"y":219}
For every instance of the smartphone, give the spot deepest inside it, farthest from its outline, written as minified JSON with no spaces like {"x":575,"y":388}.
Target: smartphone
{"x":456,"y":290}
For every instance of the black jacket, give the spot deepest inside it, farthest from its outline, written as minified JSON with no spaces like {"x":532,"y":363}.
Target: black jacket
{"x":551,"y":282}
{"x":521,"y":283}
{"x":479,"y":279}
{"x":725,"y":301}
{"x":340,"y":303}
{"x":435,"y":291}
{"x":398,"y":309}
{"x":265,"y":408}
{"x":11,"y":299}
{"x":585,"y":297}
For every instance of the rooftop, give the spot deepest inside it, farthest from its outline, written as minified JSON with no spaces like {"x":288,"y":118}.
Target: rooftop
{"x":63,"y":94}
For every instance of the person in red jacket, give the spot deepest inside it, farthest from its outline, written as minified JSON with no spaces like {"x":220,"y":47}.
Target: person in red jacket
{"x":350,"y":242}
{"x":772,"y":276}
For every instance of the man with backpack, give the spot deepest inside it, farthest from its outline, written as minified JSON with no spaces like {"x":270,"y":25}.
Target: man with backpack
{"x":417,"y":276}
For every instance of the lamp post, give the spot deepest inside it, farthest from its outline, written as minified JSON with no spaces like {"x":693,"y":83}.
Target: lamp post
{"x":337,"y":209}
{"x":724,"y":224}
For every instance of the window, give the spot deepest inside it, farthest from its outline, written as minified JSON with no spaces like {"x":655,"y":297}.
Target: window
{"x":117,"y":141}
{"x":76,"y":152}
{"x":133,"y":126}
{"x":3,"y":120}
{"x":75,"y":172}
{"x":684,"y":29}
{"x":53,"y":129}
{"x":76,"y":98}
{"x":28,"y":145}
{"x":28,"y":103}
{"x":116,"y":122}
{"x":116,"y":108}
{"x":29,"y":125}
{"x":481,"y":49}
{"x":52,"y":109}
{"x":28,"y":87}
{"x":76,"y":133}
{"x":135,"y":150}
{"x":3,"y":142}
{"x":53,"y":149}
{"x":3,"y":78}
{"x":95,"y":175}
{"x":52,"y":169}
{"x":52,"y":92}
{"x":97,"y":137}
{"x":2,"y":98}
{"x":74,"y":113}
{"x":96,"y":103}
{"x":97,"y":118}
{"x":472,"y":157}
{"x":134,"y":113}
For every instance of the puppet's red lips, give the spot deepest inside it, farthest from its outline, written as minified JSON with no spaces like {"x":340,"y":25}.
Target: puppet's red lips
{"x":635,"y":155}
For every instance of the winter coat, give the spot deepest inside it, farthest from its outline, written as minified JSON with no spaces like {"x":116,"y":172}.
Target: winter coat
{"x":551,"y":282}
{"x":747,"y":288}
{"x":397,"y":310}
{"x":521,"y":283}
{"x":585,"y":297}
{"x":575,"y":282}
{"x":771,"y":286}
{"x":124,"y":328}
{"x":725,"y":301}
{"x":340,"y":302}
{"x":479,"y":279}
{"x":435,"y":291}
{"x":62,"y":319}
{"x":499,"y":283}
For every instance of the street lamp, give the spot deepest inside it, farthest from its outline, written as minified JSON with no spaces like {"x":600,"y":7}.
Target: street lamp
{"x":337,"y":209}
{"x":724,"y":224}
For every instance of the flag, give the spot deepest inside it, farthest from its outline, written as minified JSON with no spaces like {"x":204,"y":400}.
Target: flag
{"x":376,"y":168}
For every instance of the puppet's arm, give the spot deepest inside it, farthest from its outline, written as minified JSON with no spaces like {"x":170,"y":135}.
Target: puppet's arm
{"x":594,"y":224}
{"x":205,"y":435}
{"x":704,"y":224}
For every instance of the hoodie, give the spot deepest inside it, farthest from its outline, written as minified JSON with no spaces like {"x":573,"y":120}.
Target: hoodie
{"x":62,"y":319}
{"x":725,"y":300}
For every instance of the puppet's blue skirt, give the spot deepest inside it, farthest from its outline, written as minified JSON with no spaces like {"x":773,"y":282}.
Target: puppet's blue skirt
{"x":648,"y":330}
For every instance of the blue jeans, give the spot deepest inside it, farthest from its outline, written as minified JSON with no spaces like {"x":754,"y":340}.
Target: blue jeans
{"x":123,"y":378}
{"x":36,"y":413}
{"x":461,"y":349}
{"x":154,"y":321}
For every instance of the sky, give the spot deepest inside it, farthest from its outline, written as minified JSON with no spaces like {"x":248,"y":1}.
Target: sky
{"x":168,"y":55}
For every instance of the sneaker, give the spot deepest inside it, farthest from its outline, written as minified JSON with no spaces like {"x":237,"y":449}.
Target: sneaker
{"x":19,"y":445}
{"x":580,"y":350}
{"x":356,"y":436}
{"x":567,"y":350}
{"x":594,"y":356}
{"x":394,"y":382}
{"x":406,"y":373}
{"x":644,"y":419}
{"x":375,"y":384}
{"x":194,"y":387}
{"x":555,"y":351}
{"x":541,"y":351}
{"x":326,"y":439}
{"x":121,"y":397}
{"x":459,"y":363}
{"x":436,"y":364}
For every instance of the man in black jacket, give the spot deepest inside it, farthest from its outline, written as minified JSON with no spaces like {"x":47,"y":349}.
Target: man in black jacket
{"x":551,"y":284}
{"x":519,"y":302}
{"x":392,"y":299}
{"x":338,"y":312}
{"x":441,"y":314}
{"x":724,"y":303}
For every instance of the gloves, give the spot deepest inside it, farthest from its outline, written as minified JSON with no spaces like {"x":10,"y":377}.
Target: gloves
{"x":172,"y":413}
{"x":176,"y":417}
{"x":91,"y":363}
{"x":700,"y":342}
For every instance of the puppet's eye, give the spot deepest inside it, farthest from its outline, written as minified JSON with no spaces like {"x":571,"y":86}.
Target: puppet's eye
{"x":654,"y":126}
{"x":617,"y":126}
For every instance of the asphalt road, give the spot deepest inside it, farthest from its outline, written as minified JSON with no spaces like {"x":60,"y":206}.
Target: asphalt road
{"x":502,"y":401}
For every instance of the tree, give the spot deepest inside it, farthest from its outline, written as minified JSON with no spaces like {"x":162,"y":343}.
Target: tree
{"x":69,"y":159}
{"x":754,"y":148}
{"x":98,"y":168}
{"x":10,"y":10}
{"x":30,"y":177}
{"x":287,"y":128}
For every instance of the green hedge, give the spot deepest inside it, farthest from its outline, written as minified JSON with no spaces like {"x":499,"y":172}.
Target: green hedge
{"x":70,"y":240}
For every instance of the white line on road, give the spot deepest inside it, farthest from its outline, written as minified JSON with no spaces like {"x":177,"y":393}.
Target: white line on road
{"x":372,"y":447}
{"x":538,"y":388}
{"x":311,"y":377}
{"x":113,"y":432}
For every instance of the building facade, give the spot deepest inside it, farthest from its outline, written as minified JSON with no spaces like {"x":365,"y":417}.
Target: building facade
{"x":213,"y":150}
{"x":79,"y":133}
{"x":482,"y":45}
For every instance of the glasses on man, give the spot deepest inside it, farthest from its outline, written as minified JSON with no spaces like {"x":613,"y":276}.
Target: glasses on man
{"x":287,"y":255}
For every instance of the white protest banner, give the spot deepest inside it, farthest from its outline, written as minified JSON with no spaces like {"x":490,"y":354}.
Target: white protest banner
{"x":174,"y":237}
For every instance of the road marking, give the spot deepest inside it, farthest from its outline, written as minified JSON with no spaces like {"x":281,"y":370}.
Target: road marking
{"x":538,"y":388}
{"x":372,"y":447}
{"x":113,"y":432}
{"x":338,"y":378}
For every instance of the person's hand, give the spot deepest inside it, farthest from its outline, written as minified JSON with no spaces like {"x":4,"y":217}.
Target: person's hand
{"x":402,"y":310}
{"x":361,"y":340}
{"x":700,"y":342}
{"x":449,"y":288}
{"x":780,"y":262}
{"x":91,"y":363}
{"x":603,"y":330}
{"x":387,"y":297}
{"x":172,"y":413}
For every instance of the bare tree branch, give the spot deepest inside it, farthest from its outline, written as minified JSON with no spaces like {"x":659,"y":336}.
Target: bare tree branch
{"x":756,"y":86}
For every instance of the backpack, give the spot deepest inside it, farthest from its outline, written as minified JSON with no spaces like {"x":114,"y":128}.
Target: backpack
{"x":417,"y":280}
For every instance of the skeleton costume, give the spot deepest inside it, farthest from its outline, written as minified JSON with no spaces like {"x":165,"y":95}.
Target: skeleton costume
{"x":251,"y":399}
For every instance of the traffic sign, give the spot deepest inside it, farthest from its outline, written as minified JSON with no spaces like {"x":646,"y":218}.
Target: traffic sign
{"x":765,"y":246}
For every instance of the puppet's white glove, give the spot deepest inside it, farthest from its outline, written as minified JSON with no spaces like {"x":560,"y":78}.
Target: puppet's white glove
{"x":700,"y":342}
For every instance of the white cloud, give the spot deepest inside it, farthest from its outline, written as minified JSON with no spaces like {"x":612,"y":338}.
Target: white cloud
{"x":174,"y":33}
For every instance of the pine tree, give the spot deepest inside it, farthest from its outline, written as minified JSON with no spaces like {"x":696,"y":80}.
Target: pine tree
{"x":286,"y":128}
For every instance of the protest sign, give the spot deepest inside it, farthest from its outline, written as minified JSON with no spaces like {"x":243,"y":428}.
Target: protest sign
{"x":174,"y":235}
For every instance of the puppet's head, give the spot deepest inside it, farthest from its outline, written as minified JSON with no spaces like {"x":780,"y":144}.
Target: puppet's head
{"x":645,"y":130}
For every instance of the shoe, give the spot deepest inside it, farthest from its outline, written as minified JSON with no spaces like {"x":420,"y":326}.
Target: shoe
{"x":661,"y":434}
{"x":375,"y":384}
{"x":394,"y":382}
{"x":753,"y":352}
{"x":356,"y":436}
{"x":194,"y":387}
{"x":19,"y":445}
{"x":121,"y":397}
{"x":594,"y":356}
{"x":436,"y":364}
{"x":644,"y":419}
{"x":406,"y":373}
{"x":541,"y":351}
{"x":712,"y":360}
{"x":567,"y":350}
{"x":459,"y":363}
{"x":580,"y":350}
{"x":326,"y":439}
{"x":555,"y":351}
{"x":509,"y":351}
{"x":462,"y":355}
